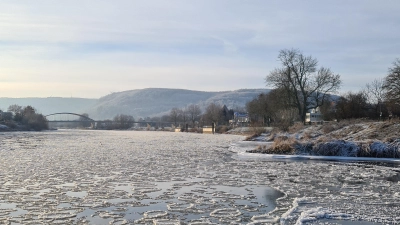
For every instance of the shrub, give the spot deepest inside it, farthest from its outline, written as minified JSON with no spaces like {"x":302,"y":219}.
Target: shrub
{"x":304,"y":148}
{"x":261,"y":147}
{"x":336,"y":148}
{"x":283,"y":145}
{"x":284,"y":125}
{"x":36,"y":122}
{"x":11,"y":124}
{"x":382,"y":150}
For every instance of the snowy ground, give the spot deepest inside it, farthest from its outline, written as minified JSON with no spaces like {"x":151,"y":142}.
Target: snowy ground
{"x":128,"y":177}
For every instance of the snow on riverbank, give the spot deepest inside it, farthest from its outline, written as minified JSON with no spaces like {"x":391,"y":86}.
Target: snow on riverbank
{"x":347,"y":140}
{"x":242,"y":147}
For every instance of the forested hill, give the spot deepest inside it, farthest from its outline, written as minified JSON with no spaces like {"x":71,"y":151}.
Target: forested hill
{"x":138,"y":103}
{"x":158,"y":101}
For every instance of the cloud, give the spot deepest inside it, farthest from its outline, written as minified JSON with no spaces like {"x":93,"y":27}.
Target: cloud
{"x":103,"y":46}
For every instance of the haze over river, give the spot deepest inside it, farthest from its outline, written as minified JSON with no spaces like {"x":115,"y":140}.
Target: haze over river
{"x":131,"y":177}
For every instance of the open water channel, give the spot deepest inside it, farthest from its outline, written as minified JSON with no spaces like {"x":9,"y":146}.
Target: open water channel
{"x":130,"y":177}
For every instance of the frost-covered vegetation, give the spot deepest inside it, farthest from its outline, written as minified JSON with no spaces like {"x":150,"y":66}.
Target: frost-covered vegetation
{"x":350,"y":139}
{"x":22,"y":118}
{"x":152,"y":102}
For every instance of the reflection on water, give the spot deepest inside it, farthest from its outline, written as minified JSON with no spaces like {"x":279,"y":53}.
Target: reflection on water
{"x":110,"y":177}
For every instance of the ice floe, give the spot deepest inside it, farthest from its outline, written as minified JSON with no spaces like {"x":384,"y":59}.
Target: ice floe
{"x":113,"y":177}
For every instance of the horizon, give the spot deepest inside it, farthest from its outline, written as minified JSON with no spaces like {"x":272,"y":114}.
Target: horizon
{"x":94,"y":48}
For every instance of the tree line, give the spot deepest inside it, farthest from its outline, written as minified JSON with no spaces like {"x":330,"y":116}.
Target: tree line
{"x":191,"y":115}
{"x":195,"y":117}
{"x":23,"y":118}
{"x":299,"y":86}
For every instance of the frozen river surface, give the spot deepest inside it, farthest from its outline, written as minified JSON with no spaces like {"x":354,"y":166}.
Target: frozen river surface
{"x":128,"y":177}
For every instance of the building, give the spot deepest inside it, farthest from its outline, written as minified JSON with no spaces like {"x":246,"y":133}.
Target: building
{"x":314,"y":116}
{"x":240,"y":118}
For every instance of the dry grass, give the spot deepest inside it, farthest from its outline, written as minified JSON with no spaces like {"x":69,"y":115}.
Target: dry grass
{"x":296,"y":127}
{"x":255,"y":131}
{"x":307,"y":135}
{"x":283,"y":145}
{"x":261,"y":148}
{"x":322,"y":139}
{"x":327,"y":128}
{"x":251,"y":137}
{"x":258,"y":130}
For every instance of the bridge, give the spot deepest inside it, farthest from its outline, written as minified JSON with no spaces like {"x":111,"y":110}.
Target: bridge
{"x":68,"y":119}
{"x":81,"y":117}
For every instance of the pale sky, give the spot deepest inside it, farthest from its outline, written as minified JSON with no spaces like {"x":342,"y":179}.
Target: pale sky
{"x":90,"y":48}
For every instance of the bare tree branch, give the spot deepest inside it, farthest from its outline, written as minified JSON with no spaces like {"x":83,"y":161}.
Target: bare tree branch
{"x":308,"y":86}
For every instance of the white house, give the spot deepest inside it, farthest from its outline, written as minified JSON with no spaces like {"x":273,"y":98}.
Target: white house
{"x":241,"y":117}
{"x":314,"y":116}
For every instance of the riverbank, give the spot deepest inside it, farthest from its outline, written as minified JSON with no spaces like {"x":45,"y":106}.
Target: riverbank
{"x":347,"y":139}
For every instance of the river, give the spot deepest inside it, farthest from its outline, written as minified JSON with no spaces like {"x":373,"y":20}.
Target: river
{"x":132,"y":177}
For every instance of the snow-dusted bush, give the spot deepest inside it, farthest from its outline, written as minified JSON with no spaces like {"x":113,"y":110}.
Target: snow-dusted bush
{"x":394,"y":149}
{"x":336,"y":148}
{"x":385,"y":150}
{"x":304,"y":148}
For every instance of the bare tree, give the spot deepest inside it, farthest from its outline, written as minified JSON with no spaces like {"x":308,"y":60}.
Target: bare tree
{"x":213,"y":113}
{"x":352,"y":106}
{"x":258,"y":108}
{"x":375,"y":93}
{"x":307,"y":87}
{"x":15,"y":109}
{"x":165,"y":118}
{"x":194,"y":112}
{"x":174,"y":115}
{"x":184,"y":115}
{"x":123,"y":121}
{"x":392,"y":83}
{"x":84,"y":120}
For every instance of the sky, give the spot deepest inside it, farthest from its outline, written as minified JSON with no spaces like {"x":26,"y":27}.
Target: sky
{"x":91,"y":48}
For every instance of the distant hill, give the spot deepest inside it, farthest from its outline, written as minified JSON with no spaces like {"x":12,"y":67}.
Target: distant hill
{"x":138,"y":103}
{"x":158,"y":101}
{"x":50,"y":105}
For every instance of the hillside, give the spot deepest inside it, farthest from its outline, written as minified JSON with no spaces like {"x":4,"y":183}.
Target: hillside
{"x":138,"y":103}
{"x":158,"y":101}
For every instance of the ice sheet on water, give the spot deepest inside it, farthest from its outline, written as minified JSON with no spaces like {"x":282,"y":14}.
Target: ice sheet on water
{"x":169,"y":178}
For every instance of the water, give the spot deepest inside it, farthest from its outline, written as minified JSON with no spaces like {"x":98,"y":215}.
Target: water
{"x":128,"y":177}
